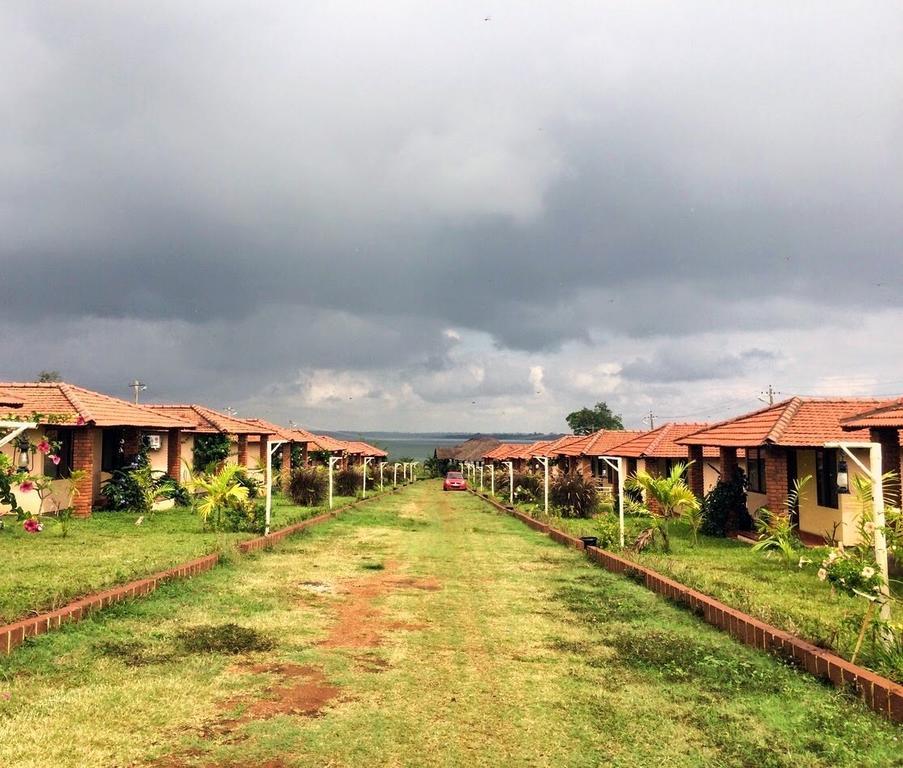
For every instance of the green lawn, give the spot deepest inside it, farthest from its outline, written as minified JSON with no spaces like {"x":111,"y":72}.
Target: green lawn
{"x":791,"y":598}
{"x":422,"y":629}
{"x":44,"y":571}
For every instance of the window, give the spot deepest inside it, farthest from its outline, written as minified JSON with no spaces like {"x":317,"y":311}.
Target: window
{"x":755,"y":469}
{"x":826,"y":477}
{"x":113,"y":452}
{"x":62,"y":470}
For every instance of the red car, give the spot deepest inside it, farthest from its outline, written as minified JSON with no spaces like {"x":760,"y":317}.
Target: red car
{"x":454,"y":481}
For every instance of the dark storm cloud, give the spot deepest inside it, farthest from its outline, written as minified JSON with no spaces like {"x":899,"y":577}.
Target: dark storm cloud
{"x":676,"y":364}
{"x":218,"y":177}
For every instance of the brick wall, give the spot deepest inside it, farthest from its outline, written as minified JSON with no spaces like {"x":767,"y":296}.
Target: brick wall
{"x":286,"y":469}
{"x":776,"y":479}
{"x":890,"y":456}
{"x":242,"y":450}
{"x":696,"y":479}
{"x":83,"y":459}
{"x":263,"y":448}
{"x":174,"y":453}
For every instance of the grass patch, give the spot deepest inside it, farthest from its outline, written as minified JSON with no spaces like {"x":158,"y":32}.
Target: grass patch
{"x":226,"y":638}
{"x":109,"y":549}
{"x":792,"y":599}
{"x":526,"y":656}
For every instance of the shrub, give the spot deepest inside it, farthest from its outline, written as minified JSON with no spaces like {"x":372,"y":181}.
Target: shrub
{"x":173,"y":489}
{"x":608,"y":531}
{"x":247,"y":481}
{"x":307,"y":486}
{"x":210,"y":449}
{"x":221,"y":494}
{"x":574,"y":495}
{"x":133,"y":489}
{"x":726,"y":500}
{"x":348,"y":482}
{"x":527,"y":486}
{"x":249,"y":517}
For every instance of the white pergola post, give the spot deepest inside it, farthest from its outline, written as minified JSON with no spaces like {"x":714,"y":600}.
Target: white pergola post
{"x":492,"y":478}
{"x":17,"y":427}
{"x":272,"y":445}
{"x":332,"y":462}
{"x":382,"y":466}
{"x":481,"y":478}
{"x":367,"y":460}
{"x":880,"y":541}
{"x":395,"y":474}
{"x":617,"y":464}
{"x":510,"y":480}
{"x":544,"y":460}
{"x":413,"y":464}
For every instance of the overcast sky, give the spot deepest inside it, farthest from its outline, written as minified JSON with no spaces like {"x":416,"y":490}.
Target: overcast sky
{"x":465,"y":216}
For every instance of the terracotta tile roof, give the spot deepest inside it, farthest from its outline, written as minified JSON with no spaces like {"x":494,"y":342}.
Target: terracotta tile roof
{"x":327,"y":443}
{"x":359,"y":448}
{"x":274,"y":430}
{"x":506,"y":452}
{"x":9,"y":400}
{"x":554,"y":447}
{"x":888,"y":415}
{"x":599,"y":443}
{"x":473,"y":449}
{"x":71,"y":403}
{"x":661,"y":443}
{"x":206,"y":420}
{"x":799,"y":421}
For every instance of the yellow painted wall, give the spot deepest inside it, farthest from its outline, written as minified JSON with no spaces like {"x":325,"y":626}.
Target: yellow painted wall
{"x":820,"y":520}
{"x":30,"y":501}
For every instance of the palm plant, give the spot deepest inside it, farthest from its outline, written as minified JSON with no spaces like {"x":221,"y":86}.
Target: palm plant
{"x":672,"y":495}
{"x":776,"y":532}
{"x":218,"y":491}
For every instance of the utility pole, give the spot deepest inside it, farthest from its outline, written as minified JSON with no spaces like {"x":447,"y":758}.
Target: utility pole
{"x":650,"y":418}
{"x":138,"y":386}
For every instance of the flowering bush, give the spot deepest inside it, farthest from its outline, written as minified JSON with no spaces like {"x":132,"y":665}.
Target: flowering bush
{"x":33,"y":525}
{"x":851,"y":573}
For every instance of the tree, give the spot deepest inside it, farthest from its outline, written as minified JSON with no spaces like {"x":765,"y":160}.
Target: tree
{"x":49,"y":376}
{"x":589,"y":420}
{"x":673,"y":499}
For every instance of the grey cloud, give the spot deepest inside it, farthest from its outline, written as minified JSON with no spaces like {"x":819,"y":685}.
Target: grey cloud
{"x":202,"y":178}
{"x":678,"y":363}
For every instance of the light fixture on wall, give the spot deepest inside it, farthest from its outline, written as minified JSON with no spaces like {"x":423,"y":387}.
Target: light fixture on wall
{"x":23,"y":458}
{"x":843,"y":478}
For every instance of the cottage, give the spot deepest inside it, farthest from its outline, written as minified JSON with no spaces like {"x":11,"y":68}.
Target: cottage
{"x":96,"y":433}
{"x":585,"y":455}
{"x":289,"y":436}
{"x":206,"y":421}
{"x":657,"y":451}
{"x":784,"y":442}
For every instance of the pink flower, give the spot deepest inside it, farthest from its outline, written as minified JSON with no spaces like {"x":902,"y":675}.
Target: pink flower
{"x":80,"y":421}
{"x":54,"y":458}
{"x":44,"y":446}
{"x":32,"y":525}
{"x":26,"y":486}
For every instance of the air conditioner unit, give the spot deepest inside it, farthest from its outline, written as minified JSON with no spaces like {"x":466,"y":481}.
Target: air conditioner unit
{"x":153,"y":442}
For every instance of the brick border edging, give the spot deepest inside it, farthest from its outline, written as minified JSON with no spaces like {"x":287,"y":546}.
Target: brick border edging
{"x":879,"y":693}
{"x":13,"y":635}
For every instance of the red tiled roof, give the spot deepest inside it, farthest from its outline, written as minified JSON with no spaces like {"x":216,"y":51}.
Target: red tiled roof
{"x":206,"y":420}
{"x":554,"y":447}
{"x":69,"y":403}
{"x":274,"y":430}
{"x":599,"y":443}
{"x":9,"y":400}
{"x":327,"y":443}
{"x":506,"y":452}
{"x":661,"y":443}
{"x":799,"y":421}
{"x":359,"y":448}
{"x":887,"y":415}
